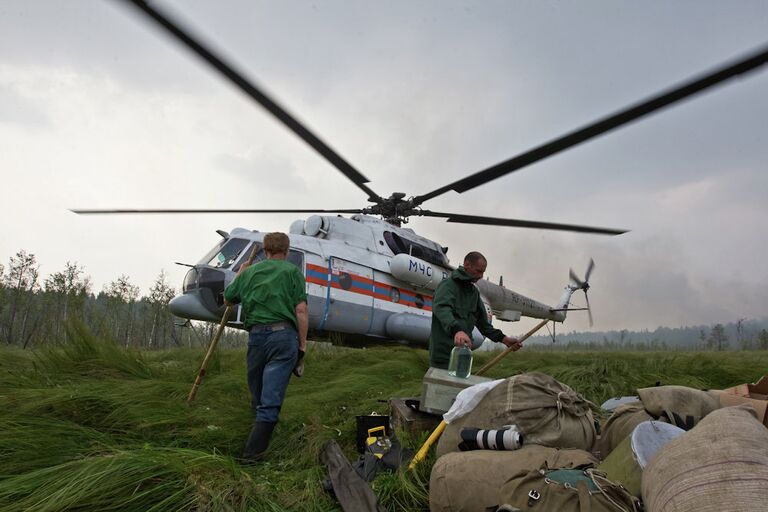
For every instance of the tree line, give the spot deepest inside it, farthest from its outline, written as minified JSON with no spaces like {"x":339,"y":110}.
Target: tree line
{"x":743,"y":334}
{"x":36,"y":311}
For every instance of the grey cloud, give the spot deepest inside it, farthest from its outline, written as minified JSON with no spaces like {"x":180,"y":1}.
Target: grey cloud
{"x":99,"y":38}
{"x":259,"y":171}
{"x":19,"y":110}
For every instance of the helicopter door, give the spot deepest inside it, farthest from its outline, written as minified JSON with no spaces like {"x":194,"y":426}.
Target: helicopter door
{"x":350,"y":297}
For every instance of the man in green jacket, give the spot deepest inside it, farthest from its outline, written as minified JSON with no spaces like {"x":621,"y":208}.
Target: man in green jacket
{"x":457,"y":309}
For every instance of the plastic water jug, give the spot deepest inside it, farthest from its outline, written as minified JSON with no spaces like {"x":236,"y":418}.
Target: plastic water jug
{"x":460,"y":364}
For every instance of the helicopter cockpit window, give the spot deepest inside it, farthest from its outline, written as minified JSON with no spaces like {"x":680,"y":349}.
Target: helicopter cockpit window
{"x":399,"y":245}
{"x":295,"y":257}
{"x":225,"y":253}
{"x":245,"y":254}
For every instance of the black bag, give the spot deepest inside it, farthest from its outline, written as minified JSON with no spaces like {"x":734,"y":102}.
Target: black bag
{"x":370,"y":464}
{"x":353,"y":493}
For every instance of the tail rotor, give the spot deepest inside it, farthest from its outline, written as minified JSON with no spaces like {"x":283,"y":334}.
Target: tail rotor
{"x":578,"y":284}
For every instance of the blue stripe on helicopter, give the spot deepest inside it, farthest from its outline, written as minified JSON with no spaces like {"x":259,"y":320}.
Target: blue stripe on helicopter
{"x":365,"y":286}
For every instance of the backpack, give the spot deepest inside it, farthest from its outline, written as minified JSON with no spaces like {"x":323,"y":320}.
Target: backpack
{"x":471,"y":481}
{"x":567,"y":490}
{"x":546,"y":412}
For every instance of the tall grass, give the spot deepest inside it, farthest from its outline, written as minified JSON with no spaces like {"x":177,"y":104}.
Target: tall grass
{"x":89,"y":426}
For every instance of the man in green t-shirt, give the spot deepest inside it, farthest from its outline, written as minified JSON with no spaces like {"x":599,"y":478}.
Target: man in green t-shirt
{"x":457,"y":309}
{"x":274,"y":300}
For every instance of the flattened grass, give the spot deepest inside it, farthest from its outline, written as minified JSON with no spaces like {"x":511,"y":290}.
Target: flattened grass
{"x":142,"y":479}
{"x":90,"y":426}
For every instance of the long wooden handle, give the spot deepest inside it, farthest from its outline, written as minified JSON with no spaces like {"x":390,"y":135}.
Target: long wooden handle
{"x":490,"y":364}
{"x":422,"y":453}
{"x":222,"y":325}
{"x":247,"y":263}
{"x":209,"y":354}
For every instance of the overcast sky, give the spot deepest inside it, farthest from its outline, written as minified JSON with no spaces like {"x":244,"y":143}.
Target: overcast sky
{"x":100,"y":110}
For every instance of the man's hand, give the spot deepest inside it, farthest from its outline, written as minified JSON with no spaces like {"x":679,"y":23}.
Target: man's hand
{"x":461,"y":338}
{"x":513,"y":343}
{"x":298,"y":370}
{"x":302,"y":317}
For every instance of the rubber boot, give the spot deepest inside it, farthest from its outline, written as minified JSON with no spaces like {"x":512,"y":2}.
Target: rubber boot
{"x":258,"y":441}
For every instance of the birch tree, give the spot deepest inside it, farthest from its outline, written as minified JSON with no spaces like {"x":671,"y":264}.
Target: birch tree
{"x":21,"y":282}
{"x":121,"y":295}
{"x":66,"y":291}
{"x":160,"y":294}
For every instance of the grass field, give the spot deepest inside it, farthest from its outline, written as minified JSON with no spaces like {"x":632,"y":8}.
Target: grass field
{"x":92,"y":427}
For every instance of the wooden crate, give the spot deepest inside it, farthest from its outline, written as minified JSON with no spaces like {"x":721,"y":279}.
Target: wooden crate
{"x":412,"y":421}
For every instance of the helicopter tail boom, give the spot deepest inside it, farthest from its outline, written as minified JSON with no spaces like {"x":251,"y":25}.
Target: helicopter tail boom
{"x":561,"y":310}
{"x":574,"y":284}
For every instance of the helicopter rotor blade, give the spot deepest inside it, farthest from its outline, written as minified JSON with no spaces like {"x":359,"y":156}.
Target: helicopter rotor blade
{"x":185,"y":36}
{"x":585,"y":286}
{"x":575,"y":278}
{"x":590,"y":267}
{"x":495,"y":221}
{"x":125,"y":211}
{"x":606,"y":124}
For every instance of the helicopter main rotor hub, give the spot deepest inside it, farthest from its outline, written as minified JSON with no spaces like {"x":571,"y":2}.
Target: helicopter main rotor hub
{"x":393,"y":209}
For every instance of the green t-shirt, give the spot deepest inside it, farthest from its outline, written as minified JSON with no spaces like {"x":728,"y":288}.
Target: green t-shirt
{"x":269,"y":292}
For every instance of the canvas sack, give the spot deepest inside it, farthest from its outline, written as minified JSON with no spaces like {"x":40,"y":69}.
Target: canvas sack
{"x":471,"y":481}
{"x":721,"y":464}
{"x":539,"y":491}
{"x":681,"y":406}
{"x":545,"y":411}
{"x":620,"y":425}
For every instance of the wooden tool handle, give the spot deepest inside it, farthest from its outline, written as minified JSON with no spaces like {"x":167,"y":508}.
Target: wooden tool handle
{"x":209,"y":354}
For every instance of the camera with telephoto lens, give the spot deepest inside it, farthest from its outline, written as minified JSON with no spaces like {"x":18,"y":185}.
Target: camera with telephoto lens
{"x":505,"y":438}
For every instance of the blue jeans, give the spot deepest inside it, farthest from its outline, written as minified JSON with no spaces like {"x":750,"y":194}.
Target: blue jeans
{"x":271,"y":358}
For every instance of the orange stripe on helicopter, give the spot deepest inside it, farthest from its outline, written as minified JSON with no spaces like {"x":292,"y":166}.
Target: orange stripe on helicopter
{"x":365,"y":286}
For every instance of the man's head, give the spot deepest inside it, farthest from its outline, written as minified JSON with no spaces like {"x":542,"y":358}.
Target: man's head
{"x":475,"y":264}
{"x":276,"y":244}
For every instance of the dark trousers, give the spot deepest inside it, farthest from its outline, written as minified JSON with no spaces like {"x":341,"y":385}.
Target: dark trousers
{"x":272,"y":354}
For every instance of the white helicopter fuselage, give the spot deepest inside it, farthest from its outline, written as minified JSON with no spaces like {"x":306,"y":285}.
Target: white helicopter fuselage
{"x":364,"y":276}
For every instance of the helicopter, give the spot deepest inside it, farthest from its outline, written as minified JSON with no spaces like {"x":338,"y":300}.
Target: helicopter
{"x":366,"y":274}
{"x":365,"y":277}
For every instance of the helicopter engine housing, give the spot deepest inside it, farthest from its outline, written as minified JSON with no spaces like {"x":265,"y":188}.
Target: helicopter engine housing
{"x":408,"y":326}
{"x":417,"y":272}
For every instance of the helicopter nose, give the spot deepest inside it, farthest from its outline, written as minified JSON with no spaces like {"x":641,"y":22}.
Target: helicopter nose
{"x":191,"y":306}
{"x":203,"y":295}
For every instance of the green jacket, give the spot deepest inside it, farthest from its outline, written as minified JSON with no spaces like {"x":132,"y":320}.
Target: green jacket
{"x":456,"y":307}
